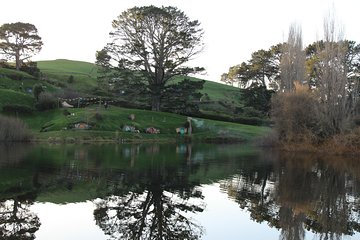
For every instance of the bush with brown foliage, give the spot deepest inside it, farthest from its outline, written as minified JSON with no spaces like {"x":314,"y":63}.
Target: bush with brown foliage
{"x":13,"y":130}
{"x":295,"y":115}
{"x":46,"y":102}
{"x":300,"y":125}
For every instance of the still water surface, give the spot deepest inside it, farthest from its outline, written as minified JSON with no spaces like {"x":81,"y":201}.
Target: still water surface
{"x":179,"y":191}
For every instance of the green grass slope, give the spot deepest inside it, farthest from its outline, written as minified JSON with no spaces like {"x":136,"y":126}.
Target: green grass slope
{"x":59,"y":71}
{"x":5,"y":72}
{"x":62,"y":69}
{"x":108,"y":124}
{"x":68,"y":67}
{"x":15,"y":80}
{"x":218,"y":97}
{"x":8,"y":96}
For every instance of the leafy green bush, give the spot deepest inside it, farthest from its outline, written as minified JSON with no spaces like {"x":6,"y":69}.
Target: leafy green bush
{"x":17,"y":108}
{"x":71,"y":79}
{"x":37,"y":90}
{"x":13,"y":129}
{"x":249,"y":112}
{"x":243,"y":120}
{"x":98,"y":117}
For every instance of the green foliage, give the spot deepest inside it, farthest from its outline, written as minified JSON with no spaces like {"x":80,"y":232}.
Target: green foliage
{"x":249,"y":112}
{"x":258,"y":97}
{"x":183,"y":97}
{"x":37,"y":90}
{"x":249,"y":120}
{"x":263,"y":67}
{"x":71,"y":79}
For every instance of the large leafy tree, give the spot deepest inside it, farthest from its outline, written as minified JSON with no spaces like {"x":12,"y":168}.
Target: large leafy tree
{"x":262,"y":69}
{"x":182,"y":97}
{"x":19,"y":41}
{"x":154,"y":42}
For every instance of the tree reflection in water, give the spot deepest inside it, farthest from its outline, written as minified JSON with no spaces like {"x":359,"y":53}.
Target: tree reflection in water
{"x":150,"y":191}
{"x":151,"y":204}
{"x":16,"y":219}
{"x":302,"y":193}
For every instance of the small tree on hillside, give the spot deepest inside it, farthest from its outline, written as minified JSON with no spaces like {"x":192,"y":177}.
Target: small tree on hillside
{"x":19,"y":41}
{"x":37,"y":89}
{"x":155,"y":42}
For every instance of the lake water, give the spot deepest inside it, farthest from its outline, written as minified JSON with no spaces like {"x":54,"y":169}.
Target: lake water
{"x":178,"y":191}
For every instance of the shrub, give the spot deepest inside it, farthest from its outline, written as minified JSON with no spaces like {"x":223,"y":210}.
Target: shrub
{"x":71,"y":79}
{"x":98,"y":117}
{"x":66,"y":112}
{"x":17,"y":108}
{"x":242,"y":120}
{"x":13,"y":129}
{"x":31,"y":68}
{"x":249,"y":112}
{"x":295,"y":115}
{"x":37,"y":90}
{"x":46,"y":102}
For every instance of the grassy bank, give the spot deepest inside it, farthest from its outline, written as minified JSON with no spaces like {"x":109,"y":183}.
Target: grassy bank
{"x":108,"y":125}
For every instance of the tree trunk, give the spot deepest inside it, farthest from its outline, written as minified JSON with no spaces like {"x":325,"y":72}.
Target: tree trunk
{"x":155,"y":103}
{"x":156,"y":93}
{"x":17,"y":60}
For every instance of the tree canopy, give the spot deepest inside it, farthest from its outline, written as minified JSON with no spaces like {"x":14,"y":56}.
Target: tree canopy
{"x":262,"y":68}
{"x":154,"y":42}
{"x":19,"y":41}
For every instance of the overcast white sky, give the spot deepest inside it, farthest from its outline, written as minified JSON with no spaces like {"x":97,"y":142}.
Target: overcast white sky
{"x":76,"y":29}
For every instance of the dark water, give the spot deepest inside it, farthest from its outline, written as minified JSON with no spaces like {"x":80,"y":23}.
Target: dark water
{"x":175,"y":192}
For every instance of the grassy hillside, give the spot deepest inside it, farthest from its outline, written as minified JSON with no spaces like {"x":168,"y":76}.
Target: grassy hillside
{"x":85,"y":71}
{"x":218,"y":98}
{"x":109,"y":123}
{"x":84,"y":75}
{"x":60,"y":70}
{"x":8,"y":96}
{"x":68,"y":67}
{"x":15,"y":80}
{"x":15,"y":88}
